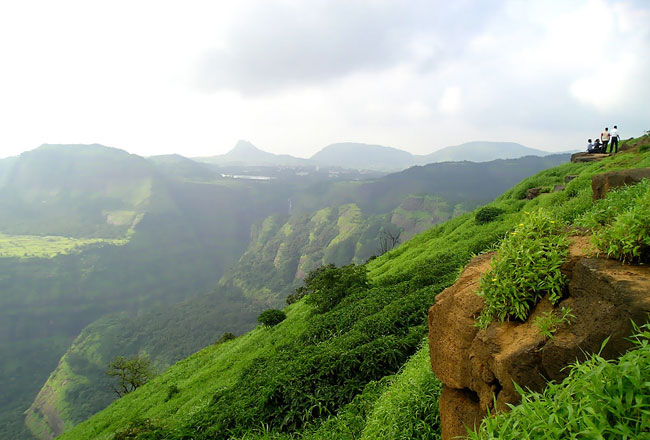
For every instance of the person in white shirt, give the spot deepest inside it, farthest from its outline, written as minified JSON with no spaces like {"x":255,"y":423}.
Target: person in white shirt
{"x":614,"y":144}
{"x":604,"y":138}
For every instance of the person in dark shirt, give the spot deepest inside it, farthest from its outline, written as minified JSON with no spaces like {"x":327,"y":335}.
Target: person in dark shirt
{"x":590,"y":146}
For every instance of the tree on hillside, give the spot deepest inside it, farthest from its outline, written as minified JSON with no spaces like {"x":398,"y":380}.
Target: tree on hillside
{"x":388,"y":240}
{"x":271,"y":317}
{"x":131,"y":373}
{"x":326,"y":286}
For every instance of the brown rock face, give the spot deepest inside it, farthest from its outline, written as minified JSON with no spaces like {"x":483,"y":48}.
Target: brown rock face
{"x":452,"y":319}
{"x":587,"y":157}
{"x":458,"y":409}
{"x":477,"y":366}
{"x":602,"y":183}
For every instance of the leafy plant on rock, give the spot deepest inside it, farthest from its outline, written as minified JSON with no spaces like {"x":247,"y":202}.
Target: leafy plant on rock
{"x":526,"y":268}
{"x":549,"y":322}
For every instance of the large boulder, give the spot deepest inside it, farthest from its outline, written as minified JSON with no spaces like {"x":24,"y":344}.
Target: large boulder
{"x":479,"y":367}
{"x":602,"y":183}
{"x":587,"y":157}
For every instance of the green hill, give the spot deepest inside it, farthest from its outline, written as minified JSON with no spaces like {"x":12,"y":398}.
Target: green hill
{"x":363,"y":156}
{"x":481,"y":152}
{"x":282,"y":250}
{"x":355,"y":370}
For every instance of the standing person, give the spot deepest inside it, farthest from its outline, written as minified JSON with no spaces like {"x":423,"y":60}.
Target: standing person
{"x":604,"y":138}
{"x":614,"y":145}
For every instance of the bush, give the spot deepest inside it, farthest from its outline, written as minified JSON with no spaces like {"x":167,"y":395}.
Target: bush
{"x":526,"y":268}
{"x":328,"y":285}
{"x":628,"y":238}
{"x":621,"y":223}
{"x":271,"y":317}
{"x":172,"y":391}
{"x":487,"y":214}
{"x":227,"y":336}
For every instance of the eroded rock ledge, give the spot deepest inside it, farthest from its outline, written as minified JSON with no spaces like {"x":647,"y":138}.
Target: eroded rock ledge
{"x":479,"y":367}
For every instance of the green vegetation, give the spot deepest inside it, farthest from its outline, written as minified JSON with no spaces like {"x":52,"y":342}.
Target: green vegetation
{"x":342,"y":373}
{"x":525,"y":269}
{"x":549,"y":322}
{"x":271,"y":317}
{"x":328,"y":285}
{"x":34,"y":246}
{"x":129,"y":373}
{"x":225,"y":337}
{"x":600,"y":399}
{"x":487,"y":214}
{"x":627,"y":237}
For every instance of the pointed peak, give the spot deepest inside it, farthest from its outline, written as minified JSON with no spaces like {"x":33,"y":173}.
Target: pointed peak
{"x":243,"y":146}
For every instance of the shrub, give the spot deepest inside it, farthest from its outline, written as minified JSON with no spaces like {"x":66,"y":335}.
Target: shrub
{"x":628,"y":238}
{"x":271,"y":317}
{"x":227,"y":336}
{"x":621,"y":224}
{"x":526,"y":268}
{"x":617,"y":201}
{"x":328,"y":285}
{"x":487,"y":214}
{"x":172,"y":391}
{"x":549,"y":322}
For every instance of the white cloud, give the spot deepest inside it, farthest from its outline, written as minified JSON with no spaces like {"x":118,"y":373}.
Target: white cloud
{"x":450,"y":103}
{"x":293,"y":77}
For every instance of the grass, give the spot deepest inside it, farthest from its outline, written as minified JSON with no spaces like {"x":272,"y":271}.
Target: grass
{"x":35,"y":246}
{"x":196,"y":378}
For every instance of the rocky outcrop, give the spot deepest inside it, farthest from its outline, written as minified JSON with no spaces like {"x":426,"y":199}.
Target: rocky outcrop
{"x":602,"y":183}
{"x":534,"y":192}
{"x":569,"y":178}
{"x":479,"y":367}
{"x":587,"y":157}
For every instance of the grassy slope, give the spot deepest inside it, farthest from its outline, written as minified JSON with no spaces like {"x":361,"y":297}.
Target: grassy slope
{"x":427,"y":258}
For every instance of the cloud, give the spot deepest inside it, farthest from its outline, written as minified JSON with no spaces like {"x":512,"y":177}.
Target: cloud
{"x":450,"y":102}
{"x":277,"y":45}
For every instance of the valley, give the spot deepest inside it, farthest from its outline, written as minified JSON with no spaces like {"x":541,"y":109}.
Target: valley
{"x":166,"y":260}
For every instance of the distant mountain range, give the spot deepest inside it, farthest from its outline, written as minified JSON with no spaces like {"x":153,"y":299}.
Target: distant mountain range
{"x":374,"y":157}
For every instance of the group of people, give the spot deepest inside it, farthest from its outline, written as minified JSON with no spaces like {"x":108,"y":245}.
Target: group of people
{"x":606,"y":138}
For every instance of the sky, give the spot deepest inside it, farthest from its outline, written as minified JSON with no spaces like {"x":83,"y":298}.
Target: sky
{"x":194,"y":77}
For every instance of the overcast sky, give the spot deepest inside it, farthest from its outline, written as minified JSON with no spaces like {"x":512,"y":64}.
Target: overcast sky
{"x":193,"y":77}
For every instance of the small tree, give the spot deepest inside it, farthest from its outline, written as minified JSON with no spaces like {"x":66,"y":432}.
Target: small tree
{"x":388,"y":240}
{"x":131,"y":373}
{"x":328,"y":285}
{"x":271,"y":317}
